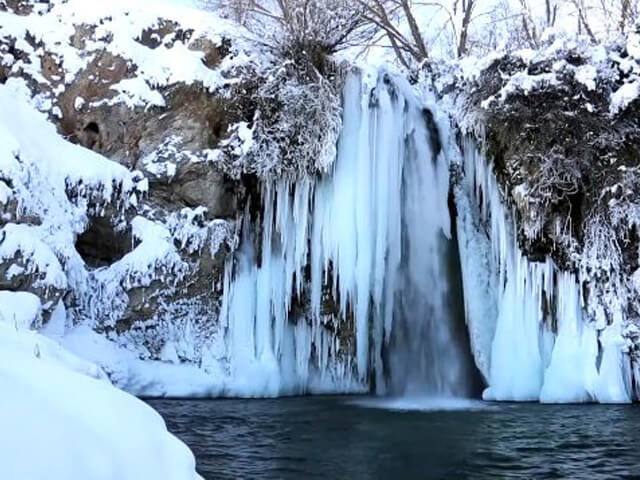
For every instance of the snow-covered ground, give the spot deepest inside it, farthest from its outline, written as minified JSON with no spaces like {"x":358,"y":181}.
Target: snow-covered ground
{"x":62,"y":419}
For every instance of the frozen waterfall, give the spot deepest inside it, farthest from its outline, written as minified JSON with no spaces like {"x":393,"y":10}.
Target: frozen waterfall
{"x":349,"y":289}
{"x":347,"y":281}
{"x":527,"y":331}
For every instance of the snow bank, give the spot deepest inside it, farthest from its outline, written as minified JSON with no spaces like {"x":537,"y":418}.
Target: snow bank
{"x":611,"y":69}
{"x":20,"y":309}
{"x":143,"y":377}
{"x":62,"y":420}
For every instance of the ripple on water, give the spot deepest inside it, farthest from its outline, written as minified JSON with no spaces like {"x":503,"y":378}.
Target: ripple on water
{"x":422,"y":403}
{"x":423,"y":438}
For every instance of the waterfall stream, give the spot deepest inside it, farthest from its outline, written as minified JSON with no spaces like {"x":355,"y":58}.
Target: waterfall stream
{"x":354,"y":265}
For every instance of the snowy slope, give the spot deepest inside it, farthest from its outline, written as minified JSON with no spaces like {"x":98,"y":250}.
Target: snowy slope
{"x":62,"y":420}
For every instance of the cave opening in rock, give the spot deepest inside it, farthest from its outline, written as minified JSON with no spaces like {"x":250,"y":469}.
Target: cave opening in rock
{"x":102,"y":244}
{"x":90,"y":136}
{"x":92,"y":127}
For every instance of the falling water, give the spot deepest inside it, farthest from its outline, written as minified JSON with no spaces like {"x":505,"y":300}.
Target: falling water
{"x":374,"y":237}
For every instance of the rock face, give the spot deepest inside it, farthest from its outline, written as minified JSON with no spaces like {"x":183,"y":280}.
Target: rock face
{"x":174,"y":137}
{"x":108,"y":86}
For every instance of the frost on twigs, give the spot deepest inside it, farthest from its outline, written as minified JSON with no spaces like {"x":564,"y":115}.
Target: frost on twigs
{"x":296,"y":101}
{"x":549,"y":127}
{"x":294,"y":129}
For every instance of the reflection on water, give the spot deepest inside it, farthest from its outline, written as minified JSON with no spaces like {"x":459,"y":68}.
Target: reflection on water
{"x":337,"y":438}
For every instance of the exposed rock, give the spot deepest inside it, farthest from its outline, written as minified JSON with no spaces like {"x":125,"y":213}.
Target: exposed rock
{"x":17,"y":274}
{"x":19,"y":7}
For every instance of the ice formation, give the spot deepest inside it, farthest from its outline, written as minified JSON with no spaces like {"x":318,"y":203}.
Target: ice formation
{"x":342,"y":280}
{"x":373,"y":232}
{"x":525,"y":318}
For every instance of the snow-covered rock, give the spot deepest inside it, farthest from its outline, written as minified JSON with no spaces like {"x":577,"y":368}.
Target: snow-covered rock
{"x":558,"y":128}
{"x":193,"y":115}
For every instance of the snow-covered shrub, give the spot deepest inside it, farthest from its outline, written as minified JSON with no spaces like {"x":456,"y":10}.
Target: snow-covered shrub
{"x":302,"y":30}
{"x":295,"y":126}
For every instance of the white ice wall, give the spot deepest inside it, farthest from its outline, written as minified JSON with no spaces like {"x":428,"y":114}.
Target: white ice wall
{"x":522,"y":356}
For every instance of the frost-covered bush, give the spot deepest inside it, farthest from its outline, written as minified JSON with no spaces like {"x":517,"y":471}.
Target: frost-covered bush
{"x":552,"y":125}
{"x":294,"y":129}
{"x":302,"y":29}
{"x":295,"y":103}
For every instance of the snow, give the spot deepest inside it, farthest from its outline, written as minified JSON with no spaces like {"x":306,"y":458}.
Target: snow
{"x":19,"y":309}
{"x":623,"y":96}
{"x":142,"y":377}
{"x":62,"y":420}
{"x":155,"y":258}
{"x":119,"y":27}
{"x":194,"y":234}
{"x":135,"y":92}
{"x":62,"y":162}
{"x":22,"y":241}
{"x":57,"y":186}
{"x":601,"y":67}
{"x":587,"y":75}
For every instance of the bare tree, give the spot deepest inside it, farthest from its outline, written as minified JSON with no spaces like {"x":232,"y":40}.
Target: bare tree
{"x":551,"y":12}
{"x":466,"y":9}
{"x":583,"y":23}
{"x":326,"y":25}
{"x":413,"y":29}
{"x":529,"y":25}
{"x":409,"y":43}
{"x":386,"y":15}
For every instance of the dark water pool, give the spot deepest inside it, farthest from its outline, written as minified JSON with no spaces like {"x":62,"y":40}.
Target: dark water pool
{"x":335,"y":438}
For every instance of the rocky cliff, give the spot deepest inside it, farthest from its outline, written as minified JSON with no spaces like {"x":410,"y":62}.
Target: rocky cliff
{"x":180,"y":189}
{"x":559,"y":130}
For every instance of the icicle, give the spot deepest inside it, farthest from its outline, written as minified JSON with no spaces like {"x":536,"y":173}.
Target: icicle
{"x":369,"y":230}
{"x":526,"y":361}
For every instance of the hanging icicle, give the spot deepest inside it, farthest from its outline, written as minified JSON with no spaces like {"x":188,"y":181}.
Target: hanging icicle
{"x":371,"y":233}
{"x":525,"y":318}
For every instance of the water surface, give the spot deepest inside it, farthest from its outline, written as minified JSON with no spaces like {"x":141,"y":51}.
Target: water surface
{"x":364,"y":438}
